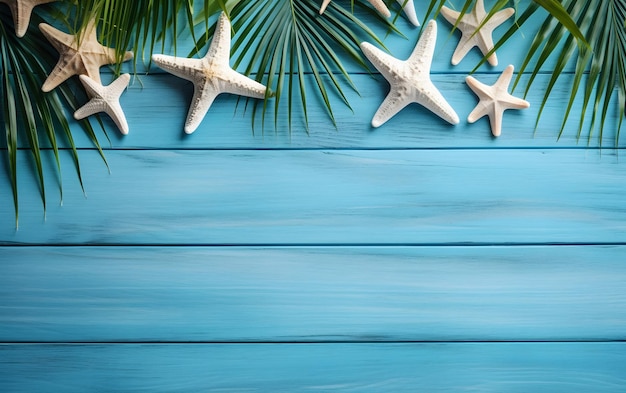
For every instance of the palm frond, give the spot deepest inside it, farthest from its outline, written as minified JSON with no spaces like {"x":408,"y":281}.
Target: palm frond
{"x":602,"y":24}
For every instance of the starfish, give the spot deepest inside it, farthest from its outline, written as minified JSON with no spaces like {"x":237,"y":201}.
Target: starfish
{"x":21,"y":11}
{"x":494,"y":100}
{"x":410,"y":79}
{"x":471,"y":35}
{"x":84,"y":56}
{"x":210,"y":75}
{"x":105,"y":99}
{"x":378,"y":4}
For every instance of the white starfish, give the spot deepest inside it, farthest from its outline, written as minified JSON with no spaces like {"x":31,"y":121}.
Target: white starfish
{"x":21,"y":11}
{"x":494,"y":100}
{"x":409,"y":11}
{"x":471,"y":36}
{"x":210,"y":75}
{"x":105,"y":99}
{"x":410,"y":79}
{"x":378,"y":4}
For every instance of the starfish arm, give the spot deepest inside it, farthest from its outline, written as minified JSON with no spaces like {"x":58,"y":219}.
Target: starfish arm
{"x":21,"y":18}
{"x":93,"y":106}
{"x":479,"y":9}
{"x":386,"y":64}
{"x":450,"y":15}
{"x":505,"y":78}
{"x":409,"y":11}
{"x":425,"y":47}
{"x":324,"y":5}
{"x":219,"y":51}
{"x":242,"y":85}
{"x":116,"y":113}
{"x":381,"y":7}
{"x":500,"y":17}
{"x":481,"y":109}
{"x":392,"y":104}
{"x":179,"y":66}
{"x":117,"y":87}
{"x":203,"y":96}
{"x":93,"y":88}
{"x":495,"y":119}
{"x":462,"y":49}
{"x":511,"y":102}
{"x":479,"y":88}
{"x":484,"y":41}
{"x":61,"y":72}
{"x":57,"y":38}
{"x":432,"y":99}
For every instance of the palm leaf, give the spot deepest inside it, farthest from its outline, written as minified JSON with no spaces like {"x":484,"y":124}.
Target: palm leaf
{"x":602,"y":24}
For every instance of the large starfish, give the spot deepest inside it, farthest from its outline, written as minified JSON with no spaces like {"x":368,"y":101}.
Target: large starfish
{"x":21,"y":11}
{"x":494,"y":100}
{"x":471,"y":35}
{"x":378,"y":4}
{"x":410,"y":79}
{"x":84,"y":55}
{"x":105,"y":99}
{"x":210,"y":75}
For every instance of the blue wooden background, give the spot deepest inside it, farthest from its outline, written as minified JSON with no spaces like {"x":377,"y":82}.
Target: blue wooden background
{"x":418,"y":256}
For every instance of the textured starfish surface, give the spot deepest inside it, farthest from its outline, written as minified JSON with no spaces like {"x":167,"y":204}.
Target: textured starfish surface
{"x":21,"y":11}
{"x":494,"y":100}
{"x":471,"y":36}
{"x":105,"y":99}
{"x":409,"y":11}
{"x":378,"y":4}
{"x":210,"y":75}
{"x":410,"y":79}
{"x":77,"y":57}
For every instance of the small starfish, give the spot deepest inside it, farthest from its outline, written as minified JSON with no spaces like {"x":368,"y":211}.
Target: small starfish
{"x":410,"y":79}
{"x":494,"y":100}
{"x":378,"y":4}
{"x":105,"y":99}
{"x":210,"y":75}
{"x":21,"y":11}
{"x":77,"y":57}
{"x":471,"y":36}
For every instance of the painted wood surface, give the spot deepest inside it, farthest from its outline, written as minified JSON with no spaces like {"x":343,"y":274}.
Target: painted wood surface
{"x":492,"y":368}
{"x":348,"y":259}
{"x":312,"y":294}
{"x":332,"y":197}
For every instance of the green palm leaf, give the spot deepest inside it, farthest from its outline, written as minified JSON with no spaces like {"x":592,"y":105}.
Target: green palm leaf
{"x":602,"y":24}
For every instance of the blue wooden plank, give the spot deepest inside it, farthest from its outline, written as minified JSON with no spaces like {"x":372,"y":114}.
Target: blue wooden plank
{"x":496,"y":368}
{"x":328,"y":197}
{"x":304,"y":294}
{"x":156,"y":107}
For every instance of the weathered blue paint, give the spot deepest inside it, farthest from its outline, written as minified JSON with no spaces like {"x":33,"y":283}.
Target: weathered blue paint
{"x":233,"y":260}
{"x":312,"y":294}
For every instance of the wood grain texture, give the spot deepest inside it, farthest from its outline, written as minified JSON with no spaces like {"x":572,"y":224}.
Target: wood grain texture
{"x":331,"y":197}
{"x":489,"y":368}
{"x":121,"y":294}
